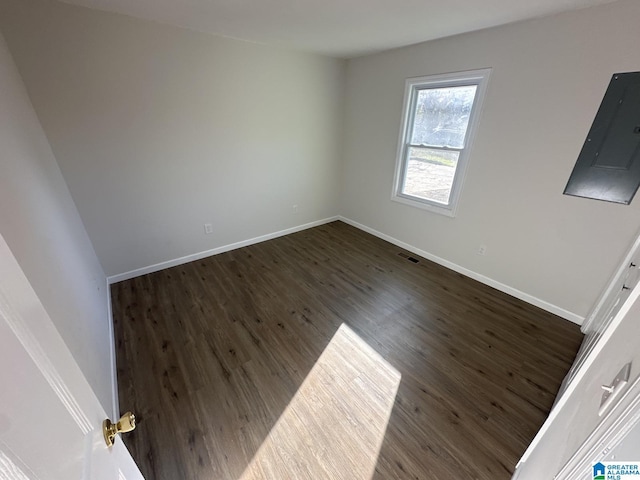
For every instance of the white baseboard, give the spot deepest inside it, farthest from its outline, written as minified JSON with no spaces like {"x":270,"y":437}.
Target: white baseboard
{"x":561,"y":312}
{"x":214,"y":251}
{"x":112,"y":357}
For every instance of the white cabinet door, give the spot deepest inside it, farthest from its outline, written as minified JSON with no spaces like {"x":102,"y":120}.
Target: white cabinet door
{"x":50,"y":419}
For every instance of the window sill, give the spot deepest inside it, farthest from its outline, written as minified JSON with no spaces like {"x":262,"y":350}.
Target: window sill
{"x":448,"y":211}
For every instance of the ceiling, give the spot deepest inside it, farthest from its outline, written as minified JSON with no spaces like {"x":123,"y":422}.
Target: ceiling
{"x":340,"y":28}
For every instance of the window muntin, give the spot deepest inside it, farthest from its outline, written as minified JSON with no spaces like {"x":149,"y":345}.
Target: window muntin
{"x":440,"y":114}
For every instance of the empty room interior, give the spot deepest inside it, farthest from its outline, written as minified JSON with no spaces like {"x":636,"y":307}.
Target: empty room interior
{"x":325,"y":241}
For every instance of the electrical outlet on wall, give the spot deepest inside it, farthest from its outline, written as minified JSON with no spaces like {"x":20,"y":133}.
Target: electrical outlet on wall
{"x":482,"y":250}
{"x":295,"y":208}
{"x":208,"y":228}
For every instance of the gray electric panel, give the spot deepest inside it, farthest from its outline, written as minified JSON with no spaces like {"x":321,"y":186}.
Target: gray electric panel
{"x":608,"y":167}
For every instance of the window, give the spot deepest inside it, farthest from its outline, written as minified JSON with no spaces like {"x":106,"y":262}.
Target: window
{"x":439,"y":120}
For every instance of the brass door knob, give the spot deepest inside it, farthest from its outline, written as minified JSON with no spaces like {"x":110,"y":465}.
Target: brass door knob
{"x":126,"y":423}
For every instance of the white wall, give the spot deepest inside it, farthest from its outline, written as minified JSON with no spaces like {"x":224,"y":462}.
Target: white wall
{"x":159,"y":130}
{"x":549,"y":76}
{"x":41,"y":225}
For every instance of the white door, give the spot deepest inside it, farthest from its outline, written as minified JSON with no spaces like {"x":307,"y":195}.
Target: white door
{"x":605,"y":310}
{"x":615,"y":439}
{"x":628,"y":450}
{"x":50,"y":419}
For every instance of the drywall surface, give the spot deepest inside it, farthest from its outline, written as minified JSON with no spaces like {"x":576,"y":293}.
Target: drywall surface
{"x":160,"y":130}
{"x":549,"y":76}
{"x":569,"y":426}
{"x":41,"y":225}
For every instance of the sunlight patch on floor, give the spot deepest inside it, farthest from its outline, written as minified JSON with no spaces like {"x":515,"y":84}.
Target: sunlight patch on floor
{"x":334,"y":426}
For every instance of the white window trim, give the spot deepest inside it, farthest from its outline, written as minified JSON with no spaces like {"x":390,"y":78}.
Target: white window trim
{"x":412,"y":85}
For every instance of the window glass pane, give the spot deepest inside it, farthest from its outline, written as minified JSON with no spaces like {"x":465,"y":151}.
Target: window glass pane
{"x":442,"y":116}
{"x":429,"y":174}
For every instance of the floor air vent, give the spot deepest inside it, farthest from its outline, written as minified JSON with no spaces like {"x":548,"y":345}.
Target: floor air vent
{"x":411,"y":259}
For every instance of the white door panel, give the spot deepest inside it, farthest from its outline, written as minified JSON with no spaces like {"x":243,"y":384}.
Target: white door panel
{"x":628,"y":450}
{"x":605,"y":311}
{"x":50,"y":419}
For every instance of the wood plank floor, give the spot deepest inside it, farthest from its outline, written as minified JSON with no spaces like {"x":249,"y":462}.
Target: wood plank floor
{"x":327,"y":354}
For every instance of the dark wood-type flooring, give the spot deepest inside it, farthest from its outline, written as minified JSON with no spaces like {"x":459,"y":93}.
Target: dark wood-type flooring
{"x":211,"y":353}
